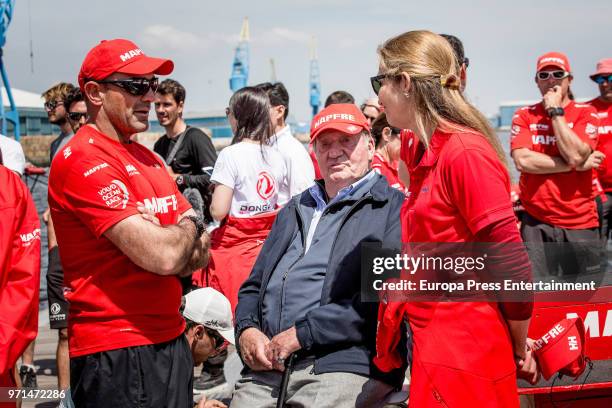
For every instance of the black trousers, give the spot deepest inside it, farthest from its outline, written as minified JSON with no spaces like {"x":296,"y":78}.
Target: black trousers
{"x":555,"y":251}
{"x":152,"y":376}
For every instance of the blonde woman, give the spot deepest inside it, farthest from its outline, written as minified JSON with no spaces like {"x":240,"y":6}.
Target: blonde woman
{"x":464,"y":353}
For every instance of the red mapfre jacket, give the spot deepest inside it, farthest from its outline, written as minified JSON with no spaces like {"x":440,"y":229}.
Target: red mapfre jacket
{"x":19,"y":271}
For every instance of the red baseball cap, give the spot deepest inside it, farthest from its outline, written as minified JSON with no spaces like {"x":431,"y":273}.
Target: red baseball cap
{"x":343,"y":117}
{"x":604,"y":66}
{"x":553,"y":59}
{"x":122,"y":56}
{"x":562,"y":349}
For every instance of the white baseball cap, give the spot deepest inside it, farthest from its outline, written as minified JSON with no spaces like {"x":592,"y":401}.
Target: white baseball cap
{"x":211,"y":309}
{"x":12,"y":154}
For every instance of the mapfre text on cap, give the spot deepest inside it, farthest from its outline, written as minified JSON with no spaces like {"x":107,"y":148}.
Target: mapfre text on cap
{"x":335,"y":116}
{"x":130,"y":54}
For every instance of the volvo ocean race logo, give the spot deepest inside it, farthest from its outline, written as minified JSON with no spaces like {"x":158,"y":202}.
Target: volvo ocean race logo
{"x":115,"y":194}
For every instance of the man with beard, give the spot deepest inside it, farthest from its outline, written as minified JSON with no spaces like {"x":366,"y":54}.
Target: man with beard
{"x":57,"y":113}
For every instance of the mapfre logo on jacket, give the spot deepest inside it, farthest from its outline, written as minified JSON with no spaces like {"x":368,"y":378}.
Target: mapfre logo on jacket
{"x":28,"y":238}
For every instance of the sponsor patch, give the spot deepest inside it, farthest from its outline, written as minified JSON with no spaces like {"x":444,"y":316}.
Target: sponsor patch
{"x":115,"y":194}
{"x":132,"y":171}
{"x":161,"y":205}
{"x":67,"y":152}
{"x":29,"y":238}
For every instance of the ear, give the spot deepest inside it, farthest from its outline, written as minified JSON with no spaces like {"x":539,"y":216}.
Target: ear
{"x":371,"y":147}
{"x":405,"y":83}
{"x":93,"y":92}
{"x":386,"y":134}
{"x":198,"y":332}
{"x":180,"y":108}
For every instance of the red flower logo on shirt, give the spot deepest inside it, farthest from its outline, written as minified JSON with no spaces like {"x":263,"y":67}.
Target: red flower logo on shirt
{"x":266,"y":186}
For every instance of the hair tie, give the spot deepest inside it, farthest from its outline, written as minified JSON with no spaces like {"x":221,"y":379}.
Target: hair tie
{"x":450,"y":81}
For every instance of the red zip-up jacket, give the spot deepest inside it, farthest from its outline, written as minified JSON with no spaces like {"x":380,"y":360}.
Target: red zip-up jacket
{"x":19,"y":271}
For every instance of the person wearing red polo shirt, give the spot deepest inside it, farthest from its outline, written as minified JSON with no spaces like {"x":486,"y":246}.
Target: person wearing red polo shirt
{"x":19,"y":273}
{"x":121,"y":269}
{"x":466,"y":353}
{"x":552,"y":145}
{"x":603,"y":105}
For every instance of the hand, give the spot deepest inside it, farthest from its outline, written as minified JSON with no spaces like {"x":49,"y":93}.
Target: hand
{"x":526,"y":366}
{"x":210,"y":403}
{"x":281,"y":346}
{"x":592,"y":162}
{"x":45,"y":215}
{"x":147,"y":214}
{"x":553,"y":98}
{"x":253,"y":344}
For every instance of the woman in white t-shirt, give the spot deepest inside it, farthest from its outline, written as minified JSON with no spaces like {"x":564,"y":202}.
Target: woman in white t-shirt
{"x":248,"y":175}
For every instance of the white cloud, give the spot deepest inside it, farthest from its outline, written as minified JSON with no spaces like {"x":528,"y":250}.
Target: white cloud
{"x":281,"y":35}
{"x":167,"y":37}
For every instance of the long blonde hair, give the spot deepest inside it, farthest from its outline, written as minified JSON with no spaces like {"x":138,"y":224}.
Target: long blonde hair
{"x":434,"y":73}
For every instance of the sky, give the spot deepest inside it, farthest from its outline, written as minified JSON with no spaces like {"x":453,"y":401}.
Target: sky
{"x":501,"y":38}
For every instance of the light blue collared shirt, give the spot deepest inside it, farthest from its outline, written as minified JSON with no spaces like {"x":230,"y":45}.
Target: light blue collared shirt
{"x":316,"y":191}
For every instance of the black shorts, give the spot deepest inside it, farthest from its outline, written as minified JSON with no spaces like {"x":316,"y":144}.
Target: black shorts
{"x":58,"y":306}
{"x":151,"y":376}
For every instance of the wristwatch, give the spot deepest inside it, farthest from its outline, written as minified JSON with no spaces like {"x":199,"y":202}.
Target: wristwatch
{"x":180,"y":180}
{"x":199,"y":224}
{"x":552,"y":112}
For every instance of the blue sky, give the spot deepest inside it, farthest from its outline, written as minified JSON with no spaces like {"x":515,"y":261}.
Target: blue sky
{"x":501,"y":38}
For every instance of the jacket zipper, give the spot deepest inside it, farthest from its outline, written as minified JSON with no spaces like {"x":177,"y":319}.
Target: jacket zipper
{"x":282,"y":292}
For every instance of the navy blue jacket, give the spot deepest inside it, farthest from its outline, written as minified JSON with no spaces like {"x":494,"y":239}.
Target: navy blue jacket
{"x":341,"y":332}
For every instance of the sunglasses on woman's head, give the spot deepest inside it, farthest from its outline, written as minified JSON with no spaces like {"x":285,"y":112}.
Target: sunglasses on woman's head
{"x":134,"y":86}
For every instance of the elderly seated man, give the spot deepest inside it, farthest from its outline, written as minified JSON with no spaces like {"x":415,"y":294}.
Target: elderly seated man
{"x":303,"y":294}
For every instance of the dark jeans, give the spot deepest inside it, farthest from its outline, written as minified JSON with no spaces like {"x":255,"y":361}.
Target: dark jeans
{"x":151,"y":376}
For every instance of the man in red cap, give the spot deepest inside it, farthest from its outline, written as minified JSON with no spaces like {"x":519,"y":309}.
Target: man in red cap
{"x":603,"y":105}
{"x":125,"y":235}
{"x":303,"y":294}
{"x":553,"y":146}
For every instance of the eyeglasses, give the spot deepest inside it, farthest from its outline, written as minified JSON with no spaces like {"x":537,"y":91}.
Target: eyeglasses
{"x":218,"y":340}
{"x":377,"y":81}
{"x":134,"y":86}
{"x":76,"y":116}
{"x":600,"y":79}
{"x":544,"y":75}
{"x":51,"y":105}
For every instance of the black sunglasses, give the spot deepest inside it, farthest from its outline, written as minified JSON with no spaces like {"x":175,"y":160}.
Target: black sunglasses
{"x":466,"y":61}
{"x":544,"y":75}
{"x":218,"y":340}
{"x":376,"y":82}
{"x":134,"y":86}
{"x":600,"y":79}
{"x":51,"y":105}
{"x":76,"y":116}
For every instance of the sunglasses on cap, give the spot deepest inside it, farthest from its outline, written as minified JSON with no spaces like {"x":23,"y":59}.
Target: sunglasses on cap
{"x":218,"y":340}
{"x":76,"y":116}
{"x":51,"y":105}
{"x":544,"y":75}
{"x":377,"y":81}
{"x":600,"y":79}
{"x":134,"y":86}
